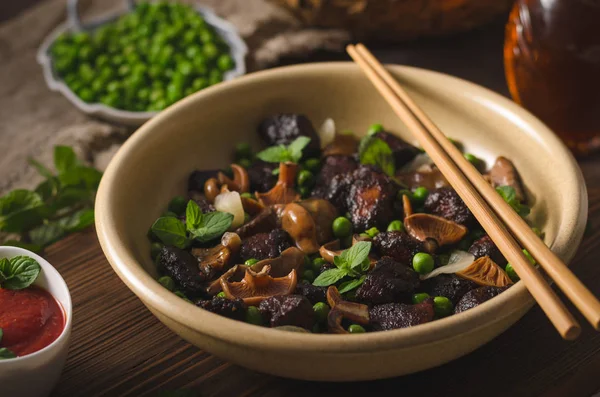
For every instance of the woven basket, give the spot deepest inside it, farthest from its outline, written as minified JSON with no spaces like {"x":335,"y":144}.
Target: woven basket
{"x":396,"y":20}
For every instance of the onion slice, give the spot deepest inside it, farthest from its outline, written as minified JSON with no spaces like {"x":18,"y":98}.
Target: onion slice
{"x":231,"y":202}
{"x":327,"y":132}
{"x":459,"y":260}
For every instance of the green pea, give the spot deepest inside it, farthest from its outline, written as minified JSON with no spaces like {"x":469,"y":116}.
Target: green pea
{"x":167,"y":282}
{"x":210,"y":50}
{"x":372,"y":232}
{"x":312,"y":164}
{"x":342,"y":227}
{"x":222,"y":295}
{"x":155,"y":249}
{"x":243,"y":151}
{"x":199,"y":83}
{"x":420,"y":297}
{"x":86,"y":72}
{"x":420,"y":194}
{"x":251,"y":262}
{"x":375,"y":128}
{"x":356,"y":329}
{"x":178,"y":205}
{"x":529,"y":257}
{"x":190,"y":38}
{"x":512,"y":274}
{"x":143,"y":94}
{"x":225,"y":62}
{"x":317,"y":264}
{"x":113,"y":87}
{"x":395,"y":226}
{"x":86,"y":95}
{"x":321,"y":310}
{"x":442,"y":306}
{"x":456,"y":143}
{"x":305,"y":178}
{"x":253,"y":316}
{"x":423,"y":263}
{"x":308,"y":275}
{"x":206,"y":36}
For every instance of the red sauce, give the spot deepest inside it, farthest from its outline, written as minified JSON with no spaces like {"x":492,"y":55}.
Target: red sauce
{"x":30,"y":318}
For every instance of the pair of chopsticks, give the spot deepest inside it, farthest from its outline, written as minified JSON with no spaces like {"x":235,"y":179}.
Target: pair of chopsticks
{"x":481,"y":197}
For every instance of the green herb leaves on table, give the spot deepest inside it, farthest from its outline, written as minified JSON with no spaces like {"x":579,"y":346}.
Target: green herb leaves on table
{"x":18,"y":272}
{"x":509,"y":195}
{"x":374,"y":151}
{"x":352,"y":263}
{"x":198,"y":226}
{"x":282,"y":153}
{"x":61,"y":204}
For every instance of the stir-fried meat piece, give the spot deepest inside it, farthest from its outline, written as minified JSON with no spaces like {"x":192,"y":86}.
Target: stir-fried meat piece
{"x":399,"y":315}
{"x":445,"y":202}
{"x":398,"y":245}
{"x":477,"y":296}
{"x":183,"y":268}
{"x":486,"y":247}
{"x":313,"y":293}
{"x":389,"y":281}
{"x":261,"y":176}
{"x":231,"y":308}
{"x":336,"y":192}
{"x":265,"y":245}
{"x":283,"y":129}
{"x":403,"y":151}
{"x":332,"y":167}
{"x":448,"y":285}
{"x":288,"y":310}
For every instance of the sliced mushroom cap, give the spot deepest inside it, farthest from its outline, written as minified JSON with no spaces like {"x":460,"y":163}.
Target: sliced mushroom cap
{"x":283,"y":192}
{"x":407,"y":206}
{"x":340,"y":310}
{"x":504,"y":173}
{"x":427,"y":227}
{"x":343,"y":144}
{"x":264,"y":222}
{"x":290,"y":259}
{"x":211,"y":189}
{"x":485,"y":271}
{"x":256,"y":287}
{"x":300,"y":225}
{"x":240,"y":182}
{"x":219,"y":257}
{"x":323,"y":213}
{"x":236,"y":273}
{"x":251,"y":206}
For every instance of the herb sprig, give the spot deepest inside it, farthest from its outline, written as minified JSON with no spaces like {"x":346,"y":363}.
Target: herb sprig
{"x":374,"y":151}
{"x":352,"y":263}
{"x":282,"y":153}
{"x":509,"y":195}
{"x":18,"y":272}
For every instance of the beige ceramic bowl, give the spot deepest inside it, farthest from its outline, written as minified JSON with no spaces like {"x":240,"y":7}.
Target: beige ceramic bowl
{"x":200,"y":132}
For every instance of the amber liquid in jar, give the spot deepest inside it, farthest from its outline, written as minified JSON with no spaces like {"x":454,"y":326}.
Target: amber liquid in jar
{"x":552,"y":63}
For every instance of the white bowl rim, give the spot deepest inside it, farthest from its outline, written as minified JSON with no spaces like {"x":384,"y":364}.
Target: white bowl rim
{"x":60,"y":283}
{"x":240,"y":333}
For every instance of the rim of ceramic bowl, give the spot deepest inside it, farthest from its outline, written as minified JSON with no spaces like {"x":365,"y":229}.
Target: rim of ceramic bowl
{"x":239,"y":333}
{"x":60,"y":283}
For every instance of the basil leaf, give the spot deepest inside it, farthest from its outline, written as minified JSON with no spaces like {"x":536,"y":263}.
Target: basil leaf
{"x":274,"y":154}
{"x":81,"y":176}
{"x":212,"y":225}
{"x":77,"y":221}
{"x":28,"y":246}
{"x":6,"y":354}
{"x":46,"y":233}
{"x":350,"y":285}
{"x":356,"y":254}
{"x":4,"y":264}
{"x":20,"y":210}
{"x":47,"y":188}
{"x":170,"y":231}
{"x":295,"y":148}
{"x":19,"y":272}
{"x":41,"y":168}
{"x":193,"y":215}
{"x":64,"y":158}
{"x":377,"y":152}
{"x":328,"y":277}
{"x":70,"y":196}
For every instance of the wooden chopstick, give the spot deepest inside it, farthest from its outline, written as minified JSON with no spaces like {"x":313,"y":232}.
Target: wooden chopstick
{"x":556,"y":269}
{"x":558,"y":314}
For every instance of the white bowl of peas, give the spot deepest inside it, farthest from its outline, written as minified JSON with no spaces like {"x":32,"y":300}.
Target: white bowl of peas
{"x":127,"y":67}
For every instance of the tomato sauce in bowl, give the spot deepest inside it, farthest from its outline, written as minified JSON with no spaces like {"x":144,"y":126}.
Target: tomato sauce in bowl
{"x":30,"y":319}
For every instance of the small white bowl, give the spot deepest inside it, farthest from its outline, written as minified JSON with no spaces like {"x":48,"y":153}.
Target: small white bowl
{"x":36,"y":374}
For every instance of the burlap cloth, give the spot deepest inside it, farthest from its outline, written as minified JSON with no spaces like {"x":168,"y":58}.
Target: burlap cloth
{"x":33,"y":119}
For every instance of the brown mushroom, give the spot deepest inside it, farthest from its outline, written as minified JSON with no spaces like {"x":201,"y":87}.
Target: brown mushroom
{"x":290,"y":259}
{"x":240,"y":182}
{"x":252,"y":207}
{"x":211,"y":189}
{"x":427,"y":176}
{"x":236,"y":273}
{"x":283,"y":192}
{"x":300,"y":225}
{"x":343,"y":144}
{"x":219,"y":257}
{"x":256,"y":287}
{"x":407,"y":206}
{"x":323,"y":213}
{"x":340,"y":310}
{"x":504,"y":173}
{"x":434,"y":230}
{"x":264,"y":222}
{"x":484,"y":271}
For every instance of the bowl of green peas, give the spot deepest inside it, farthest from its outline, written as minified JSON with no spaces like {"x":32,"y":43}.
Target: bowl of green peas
{"x":127,"y":67}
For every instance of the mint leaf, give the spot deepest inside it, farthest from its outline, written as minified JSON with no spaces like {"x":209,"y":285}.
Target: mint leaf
{"x":6,"y":354}
{"x":41,"y":168}
{"x":77,"y":221}
{"x":212,"y":225}
{"x":347,"y":286}
{"x":295,"y":148}
{"x":376,"y":152}
{"x":19,"y":272}
{"x":20,"y":210}
{"x":329,"y":277}
{"x":81,"y":176}
{"x":193,"y":215}
{"x":70,"y":196}
{"x":274,"y":154}
{"x":47,"y":188}
{"x":46,"y":233}
{"x":64,"y":158}
{"x":170,"y":231}
{"x":356,"y":255}
{"x":340,"y":263}
{"x":509,"y":195}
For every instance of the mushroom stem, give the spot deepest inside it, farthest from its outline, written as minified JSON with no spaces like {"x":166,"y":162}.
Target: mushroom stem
{"x":283,"y":192}
{"x":341,"y":310}
{"x":240,"y":182}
